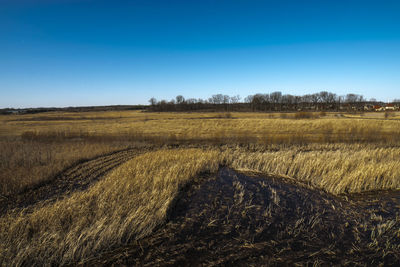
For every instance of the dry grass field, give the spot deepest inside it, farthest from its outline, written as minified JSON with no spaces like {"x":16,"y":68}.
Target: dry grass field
{"x":127,"y":173}
{"x":126,"y":205}
{"x":36,"y":147}
{"x":263,"y":127}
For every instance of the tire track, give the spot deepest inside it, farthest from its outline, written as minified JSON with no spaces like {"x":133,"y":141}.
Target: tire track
{"x":75,"y":178}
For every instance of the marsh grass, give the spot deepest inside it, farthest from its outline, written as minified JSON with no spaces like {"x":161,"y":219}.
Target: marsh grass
{"x":134,"y":198}
{"x":197,"y":126}
{"x":305,"y":115}
{"x":26,"y":163}
{"x":338,"y":155}
{"x":337,"y":169}
{"x":35,"y":147}
{"x":128,"y":204}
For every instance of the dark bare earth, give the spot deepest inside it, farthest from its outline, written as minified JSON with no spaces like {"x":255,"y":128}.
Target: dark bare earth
{"x":74,"y":178}
{"x":235,"y":219}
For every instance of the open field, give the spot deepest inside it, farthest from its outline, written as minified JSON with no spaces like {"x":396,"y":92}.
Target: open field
{"x":130,"y":187}
{"x":264,"y":127}
{"x":37,"y":147}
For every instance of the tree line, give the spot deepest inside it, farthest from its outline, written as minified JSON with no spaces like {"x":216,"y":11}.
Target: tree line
{"x":275,"y":101}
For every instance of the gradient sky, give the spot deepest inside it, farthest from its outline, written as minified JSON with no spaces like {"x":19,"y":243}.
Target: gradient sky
{"x":56,"y":53}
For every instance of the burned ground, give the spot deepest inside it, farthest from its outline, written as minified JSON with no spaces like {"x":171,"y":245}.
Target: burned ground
{"x":75,"y":178}
{"x":235,"y":218}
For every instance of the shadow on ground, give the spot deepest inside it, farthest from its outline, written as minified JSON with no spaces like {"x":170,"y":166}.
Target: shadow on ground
{"x":235,"y":219}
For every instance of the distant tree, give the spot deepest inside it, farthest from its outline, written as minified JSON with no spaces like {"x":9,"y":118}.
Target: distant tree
{"x":288,"y":100}
{"x":327,"y":99}
{"x":315,"y":98}
{"x":153,"y":101}
{"x":324,"y":95}
{"x":332,"y":98}
{"x":235,"y":99}
{"x":258,"y":100}
{"x":249,"y":99}
{"x":218,"y":99}
{"x":180,"y":99}
{"x":276,"y":97}
{"x":162,"y":105}
{"x":226,"y":99}
{"x":353,"y":98}
{"x":274,"y":101}
{"x":306,"y":98}
{"x":191,"y":101}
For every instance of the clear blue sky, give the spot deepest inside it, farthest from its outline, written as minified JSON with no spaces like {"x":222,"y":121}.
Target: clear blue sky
{"x":74,"y":53}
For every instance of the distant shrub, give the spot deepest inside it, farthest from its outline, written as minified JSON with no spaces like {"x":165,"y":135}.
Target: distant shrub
{"x":389,"y":114}
{"x":29,"y":135}
{"x":304,"y":115}
{"x":226,"y":115}
{"x":284,"y":115}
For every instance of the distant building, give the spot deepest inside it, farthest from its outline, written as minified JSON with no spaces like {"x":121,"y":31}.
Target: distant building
{"x":368,"y":107}
{"x":390,"y":107}
{"x":379,"y":108}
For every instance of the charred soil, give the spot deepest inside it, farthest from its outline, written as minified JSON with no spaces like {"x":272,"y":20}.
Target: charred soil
{"x":75,"y":178}
{"x":235,"y":218}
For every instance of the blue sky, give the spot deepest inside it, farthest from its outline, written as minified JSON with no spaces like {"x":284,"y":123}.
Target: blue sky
{"x":74,"y":53}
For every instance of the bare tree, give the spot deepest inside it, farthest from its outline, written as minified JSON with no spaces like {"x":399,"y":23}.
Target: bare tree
{"x":226,"y":99}
{"x":218,"y":99}
{"x":351,"y":98}
{"x":153,"y":101}
{"x":235,"y":99}
{"x":249,"y":99}
{"x":327,"y":99}
{"x":276,"y":97}
{"x":180,"y":99}
{"x":265,"y":102}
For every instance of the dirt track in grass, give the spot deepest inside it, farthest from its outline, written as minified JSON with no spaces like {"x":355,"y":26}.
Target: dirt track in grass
{"x":243,"y":219}
{"x":75,"y":178}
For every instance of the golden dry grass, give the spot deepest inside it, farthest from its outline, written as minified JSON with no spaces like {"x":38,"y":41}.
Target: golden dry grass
{"x":26,"y":163}
{"x":126,"y":205}
{"x":134,"y":198}
{"x":338,"y":168}
{"x":335,"y":154}
{"x":35,"y":147}
{"x":261,"y":127}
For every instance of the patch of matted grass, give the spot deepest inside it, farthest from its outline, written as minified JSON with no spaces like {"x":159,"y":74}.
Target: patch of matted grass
{"x":128,"y":204}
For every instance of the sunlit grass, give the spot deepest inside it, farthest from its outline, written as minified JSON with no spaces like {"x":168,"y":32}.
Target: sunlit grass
{"x":128,"y":204}
{"x":35,"y":147}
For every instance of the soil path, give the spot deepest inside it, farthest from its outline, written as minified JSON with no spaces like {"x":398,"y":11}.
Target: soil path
{"x":76,"y":178}
{"x":236,"y":219}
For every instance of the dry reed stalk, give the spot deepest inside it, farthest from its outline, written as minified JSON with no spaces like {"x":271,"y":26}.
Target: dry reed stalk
{"x":128,"y":204}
